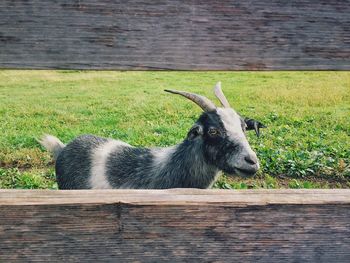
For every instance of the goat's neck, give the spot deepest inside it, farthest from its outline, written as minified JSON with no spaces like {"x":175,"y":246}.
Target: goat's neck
{"x":187,"y":166}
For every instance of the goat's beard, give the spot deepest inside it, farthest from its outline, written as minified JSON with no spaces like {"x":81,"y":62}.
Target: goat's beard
{"x":243,"y":174}
{"x":232,"y":172}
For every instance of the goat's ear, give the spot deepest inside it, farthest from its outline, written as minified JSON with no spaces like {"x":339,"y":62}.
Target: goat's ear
{"x":195,"y":131}
{"x":254,"y":125}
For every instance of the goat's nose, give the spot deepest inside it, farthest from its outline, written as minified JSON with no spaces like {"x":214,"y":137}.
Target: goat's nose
{"x":249,"y":159}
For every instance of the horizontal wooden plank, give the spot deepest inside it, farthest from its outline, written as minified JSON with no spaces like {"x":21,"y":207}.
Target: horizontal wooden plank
{"x":176,"y":197}
{"x":177,"y":225}
{"x":172,"y":34}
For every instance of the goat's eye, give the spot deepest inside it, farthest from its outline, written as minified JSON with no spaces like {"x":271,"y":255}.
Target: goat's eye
{"x":213,"y":132}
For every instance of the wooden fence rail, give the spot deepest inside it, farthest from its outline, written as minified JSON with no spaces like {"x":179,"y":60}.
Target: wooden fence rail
{"x":173,"y":34}
{"x":177,"y":225}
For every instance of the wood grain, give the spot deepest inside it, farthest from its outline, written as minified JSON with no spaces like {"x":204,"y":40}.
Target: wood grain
{"x":176,"y":225}
{"x":179,"y":35}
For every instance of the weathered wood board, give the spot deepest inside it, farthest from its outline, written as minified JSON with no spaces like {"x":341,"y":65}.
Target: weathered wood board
{"x":172,"y":34}
{"x":178,"y":225}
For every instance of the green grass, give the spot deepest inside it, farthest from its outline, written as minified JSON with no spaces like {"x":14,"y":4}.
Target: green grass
{"x":306,"y":145}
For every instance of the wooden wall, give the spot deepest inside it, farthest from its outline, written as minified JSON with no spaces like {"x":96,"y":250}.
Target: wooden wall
{"x":178,"y":225}
{"x":172,"y":34}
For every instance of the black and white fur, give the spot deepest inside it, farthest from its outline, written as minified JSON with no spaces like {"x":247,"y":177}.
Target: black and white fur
{"x":216,"y":142}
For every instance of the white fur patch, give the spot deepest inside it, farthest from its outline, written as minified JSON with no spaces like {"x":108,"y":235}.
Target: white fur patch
{"x":232,"y":123}
{"x":52,"y":144}
{"x":162,"y":156}
{"x":98,"y":178}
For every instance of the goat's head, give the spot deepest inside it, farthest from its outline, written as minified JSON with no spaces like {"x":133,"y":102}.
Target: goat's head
{"x":221,"y":131}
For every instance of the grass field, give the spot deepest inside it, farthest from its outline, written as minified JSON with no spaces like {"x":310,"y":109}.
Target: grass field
{"x":306,"y":144}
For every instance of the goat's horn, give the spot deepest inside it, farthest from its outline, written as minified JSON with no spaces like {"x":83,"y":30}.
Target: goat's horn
{"x":220,"y":95}
{"x":201,"y":101}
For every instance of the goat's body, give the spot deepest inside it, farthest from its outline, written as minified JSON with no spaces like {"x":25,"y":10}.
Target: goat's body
{"x":91,"y":162}
{"x":215,"y":142}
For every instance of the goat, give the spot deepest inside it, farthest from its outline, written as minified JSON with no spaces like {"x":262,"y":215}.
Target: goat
{"x":216,"y":142}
